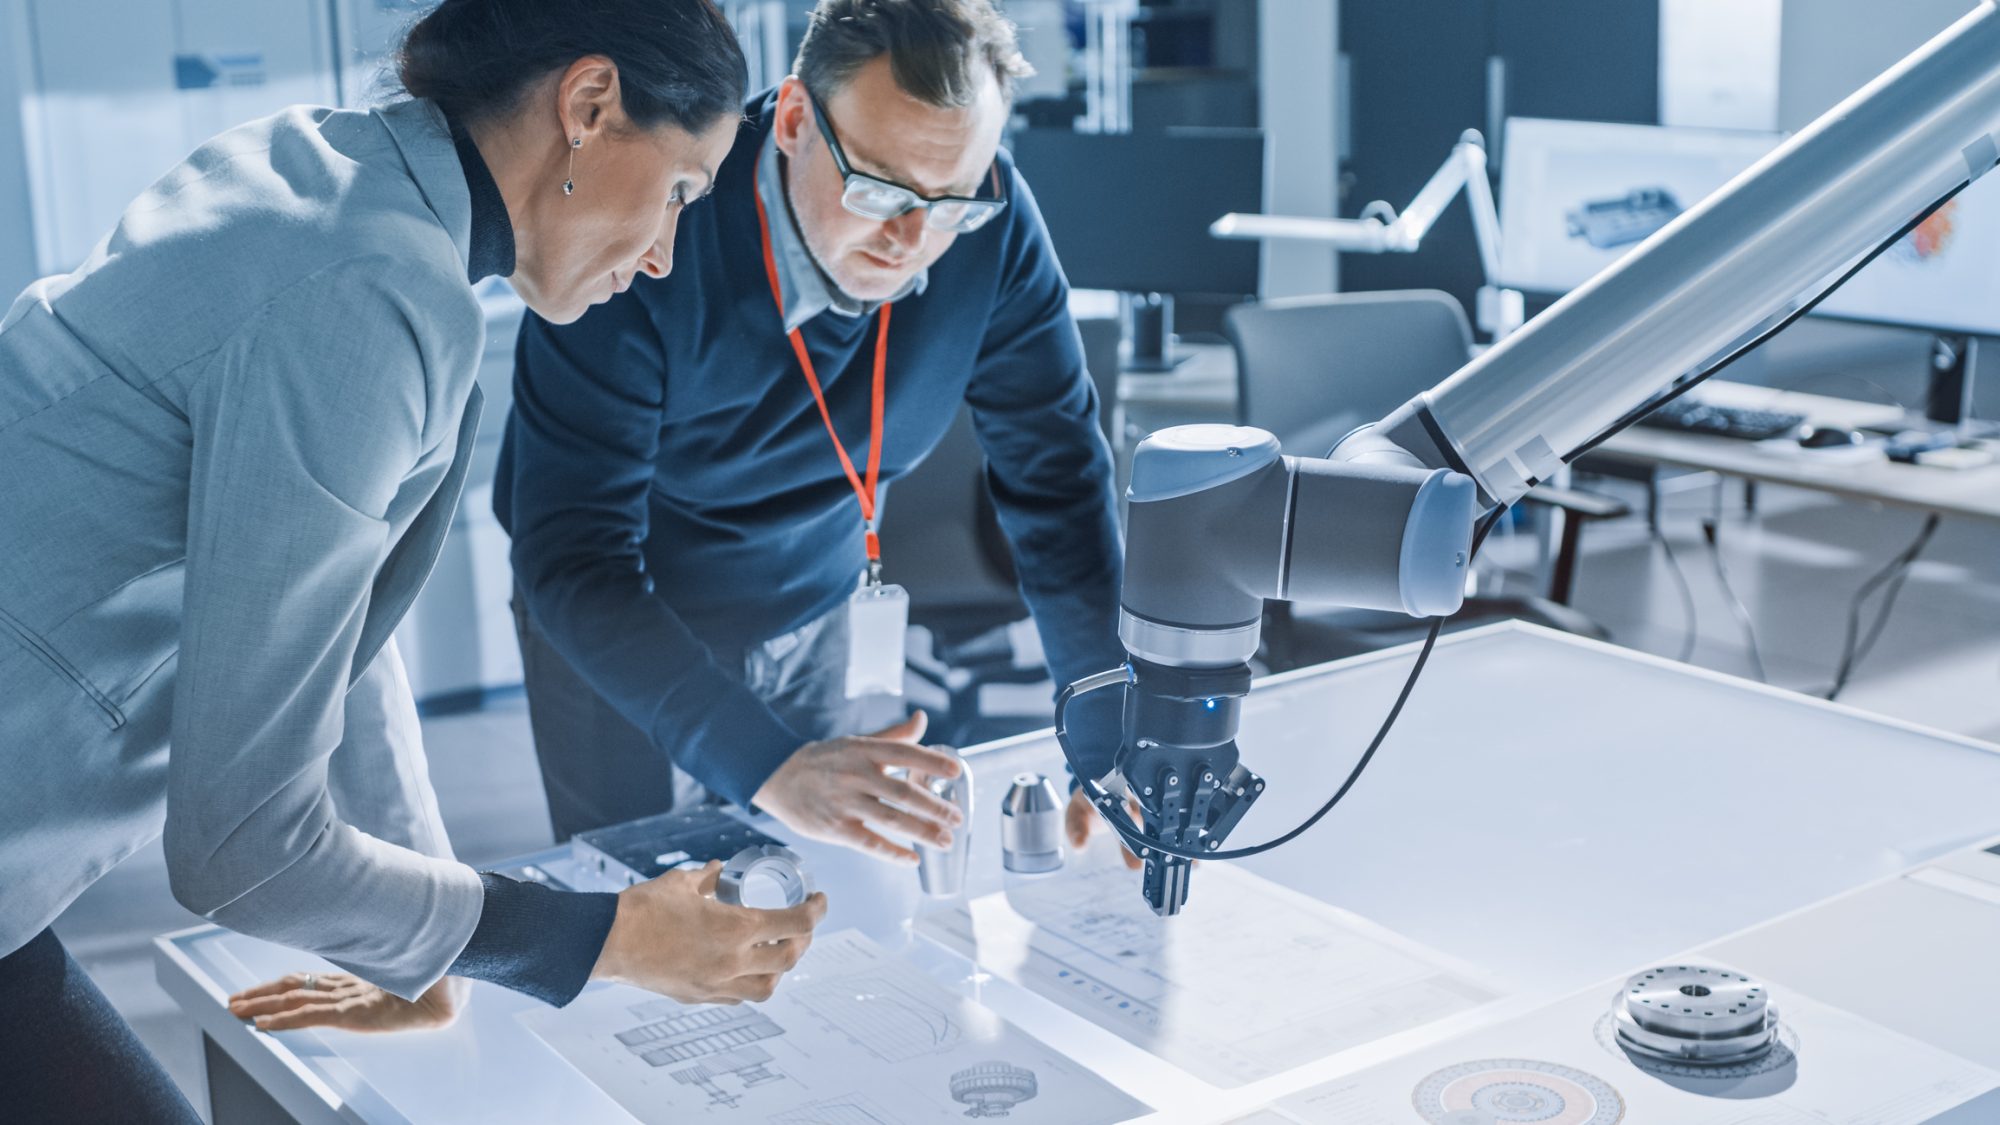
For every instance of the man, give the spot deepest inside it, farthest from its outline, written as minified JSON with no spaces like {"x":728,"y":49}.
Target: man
{"x":690,"y":472}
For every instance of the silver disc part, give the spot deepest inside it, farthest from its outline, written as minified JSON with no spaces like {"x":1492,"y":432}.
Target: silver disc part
{"x":1692,"y":1014}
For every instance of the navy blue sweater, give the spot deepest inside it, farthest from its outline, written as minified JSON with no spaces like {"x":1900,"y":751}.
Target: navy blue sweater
{"x":671,"y":492}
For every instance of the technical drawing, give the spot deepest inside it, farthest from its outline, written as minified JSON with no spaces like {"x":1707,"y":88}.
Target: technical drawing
{"x":1610,"y":223}
{"x":856,"y":1037}
{"x":847,"y":1109}
{"x":750,"y":1066}
{"x":718,"y":1042}
{"x":704,"y":1031}
{"x":992,"y":1089}
{"x":877,"y":1012}
{"x":1497,"y":1091}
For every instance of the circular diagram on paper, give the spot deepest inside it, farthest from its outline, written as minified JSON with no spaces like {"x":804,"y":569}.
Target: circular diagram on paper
{"x":1505,"y":1091}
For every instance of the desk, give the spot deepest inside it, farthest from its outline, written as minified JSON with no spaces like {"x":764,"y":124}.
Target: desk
{"x":1971,"y":493}
{"x":1552,"y":810}
{"x":1201,"y":389}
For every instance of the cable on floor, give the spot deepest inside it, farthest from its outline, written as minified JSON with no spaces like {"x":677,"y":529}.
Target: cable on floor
{"x":1710,"y":531}
{"x":1894,"y":573}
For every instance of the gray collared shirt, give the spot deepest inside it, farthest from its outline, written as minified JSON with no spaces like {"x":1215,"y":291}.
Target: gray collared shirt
{"x":807,"y":291}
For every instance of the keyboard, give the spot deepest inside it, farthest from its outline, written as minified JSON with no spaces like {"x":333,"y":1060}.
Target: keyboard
{"x":1693,"y":416}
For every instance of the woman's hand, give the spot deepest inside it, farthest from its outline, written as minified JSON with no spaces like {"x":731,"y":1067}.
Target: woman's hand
{"x":346,"y":1002}
{"x":670,"y":936}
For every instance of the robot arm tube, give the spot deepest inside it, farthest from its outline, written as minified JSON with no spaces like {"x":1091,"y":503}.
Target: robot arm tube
{"x":1808,"y":211}
{"x":1219,"y":523}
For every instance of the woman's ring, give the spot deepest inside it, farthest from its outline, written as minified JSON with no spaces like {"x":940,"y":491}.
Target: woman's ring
{"x":312,"y":982}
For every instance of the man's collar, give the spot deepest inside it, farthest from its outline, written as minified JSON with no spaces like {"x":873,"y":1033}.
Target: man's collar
{"x":807,"y":291}
{"x":491,"y":251}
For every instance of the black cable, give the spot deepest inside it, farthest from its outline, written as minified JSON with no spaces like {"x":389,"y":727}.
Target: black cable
{"x":1626,"y":420}
{"x":1693,"y":630}
{"x":1136,"y":838}
{"x":1894,"y":572}
{"x":1712,"y":533}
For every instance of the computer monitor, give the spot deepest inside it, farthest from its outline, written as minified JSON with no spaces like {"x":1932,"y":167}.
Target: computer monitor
{"x":1131,"y":211}
{"x":1944,"y":278}
{"x":1576,"y":196}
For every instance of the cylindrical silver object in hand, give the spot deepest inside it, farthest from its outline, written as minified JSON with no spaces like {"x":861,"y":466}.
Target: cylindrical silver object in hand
{"x":1031,"y":825}
{"x":780,"y":867}
{"x":942,"y":870}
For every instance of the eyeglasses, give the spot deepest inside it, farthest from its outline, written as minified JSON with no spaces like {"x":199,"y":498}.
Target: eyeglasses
{"x":882,"y":200}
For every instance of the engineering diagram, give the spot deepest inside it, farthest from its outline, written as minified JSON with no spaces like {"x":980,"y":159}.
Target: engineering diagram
{"x":853,"y":1036}
{"x":848,"y":1109}
{"x":877,"y":1012}
{"x":722,"y":1039}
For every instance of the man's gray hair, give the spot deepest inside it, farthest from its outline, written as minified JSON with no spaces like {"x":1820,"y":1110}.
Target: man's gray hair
{"x":935,"y":47}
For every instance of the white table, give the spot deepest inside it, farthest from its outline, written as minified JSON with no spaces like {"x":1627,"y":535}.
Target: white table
{"x":1552,"y":810}
{"x":1965,"y":493}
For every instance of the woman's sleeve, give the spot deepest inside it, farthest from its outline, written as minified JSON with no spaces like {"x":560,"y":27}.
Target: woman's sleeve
{"x":304,"y":427}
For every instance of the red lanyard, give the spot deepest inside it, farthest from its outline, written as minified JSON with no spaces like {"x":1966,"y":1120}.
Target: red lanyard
{"x":863,"y":492}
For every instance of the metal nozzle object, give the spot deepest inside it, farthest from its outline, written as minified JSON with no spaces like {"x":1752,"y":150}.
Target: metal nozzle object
{"x":780,"y":865}
{"x":1690,"y":1014}
{"x":1031,"y":825}
{"x":942,"y":870}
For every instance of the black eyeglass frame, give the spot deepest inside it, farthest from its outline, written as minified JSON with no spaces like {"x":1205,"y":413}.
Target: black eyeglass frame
{"x":980,"y":211}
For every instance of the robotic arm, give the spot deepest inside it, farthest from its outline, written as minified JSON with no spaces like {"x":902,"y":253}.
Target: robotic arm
{"x":1220,"y":521}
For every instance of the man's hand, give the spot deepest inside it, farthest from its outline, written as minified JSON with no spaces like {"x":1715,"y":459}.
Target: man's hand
{"x":672,"y":937}
{"x":833,"y":790}
{"x":1081,"y":819}
{"x":346,"y":1002}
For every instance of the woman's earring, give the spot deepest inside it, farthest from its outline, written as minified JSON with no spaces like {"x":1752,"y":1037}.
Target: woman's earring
{"x":569,"y":185}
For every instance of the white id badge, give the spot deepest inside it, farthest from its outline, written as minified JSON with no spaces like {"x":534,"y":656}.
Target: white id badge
{"x":876,"y":619}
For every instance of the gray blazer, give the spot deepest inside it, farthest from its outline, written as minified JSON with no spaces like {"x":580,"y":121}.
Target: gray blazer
{"x":230,"y":445}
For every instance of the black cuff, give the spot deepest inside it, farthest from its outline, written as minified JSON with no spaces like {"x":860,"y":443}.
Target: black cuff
{"x":536,"y":940}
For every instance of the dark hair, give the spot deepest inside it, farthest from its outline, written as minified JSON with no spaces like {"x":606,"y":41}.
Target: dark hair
{"x":678,"y":61}
{"x":933,"y":47}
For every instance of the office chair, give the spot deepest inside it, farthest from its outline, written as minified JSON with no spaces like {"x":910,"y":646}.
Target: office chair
{"x":1310,"y":370}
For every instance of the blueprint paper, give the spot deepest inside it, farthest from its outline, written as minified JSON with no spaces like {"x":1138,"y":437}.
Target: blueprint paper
{"x":1561,"y":1065}
{"x":1250,"y":980}
{"x":852,"y":1037}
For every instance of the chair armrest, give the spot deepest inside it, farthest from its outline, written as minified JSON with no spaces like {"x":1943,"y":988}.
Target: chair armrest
{"x":1583,"y":505}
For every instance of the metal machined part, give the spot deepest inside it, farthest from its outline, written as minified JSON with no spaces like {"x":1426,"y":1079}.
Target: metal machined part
{"x":768,"y":861}
{"x":1197,"y":648}
{"x":1698,"y":1015}
{"x":1031,"y":826}
{"x":941,"y":871}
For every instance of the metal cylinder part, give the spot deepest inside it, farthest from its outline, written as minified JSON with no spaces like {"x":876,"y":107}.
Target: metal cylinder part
{"x":781,"y":866}
{"x":1691,"y":1014}
{"x":942,"y":870}
{"x":1031,"y":825}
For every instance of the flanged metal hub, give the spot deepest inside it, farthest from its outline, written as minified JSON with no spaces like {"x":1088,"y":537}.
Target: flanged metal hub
{"x":1691,"y":1014}
{"x":780,"y":865}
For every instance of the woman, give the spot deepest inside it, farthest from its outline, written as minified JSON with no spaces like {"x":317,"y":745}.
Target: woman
{"x":230,"y":444}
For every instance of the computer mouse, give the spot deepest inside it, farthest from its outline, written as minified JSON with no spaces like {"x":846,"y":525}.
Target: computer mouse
{"x":1827,"y":437}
